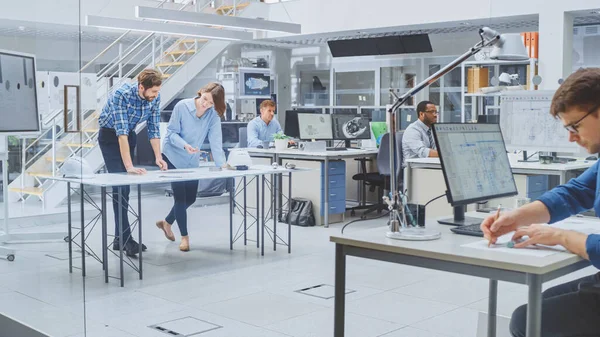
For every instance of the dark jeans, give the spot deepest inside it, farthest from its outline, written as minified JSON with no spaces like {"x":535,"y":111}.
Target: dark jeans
{"x":184,"y":193}
{"x":566,"y":312}
{"x":109,"y":145}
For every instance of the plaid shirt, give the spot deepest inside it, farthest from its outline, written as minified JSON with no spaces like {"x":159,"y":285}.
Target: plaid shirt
{"x":125,"y":109}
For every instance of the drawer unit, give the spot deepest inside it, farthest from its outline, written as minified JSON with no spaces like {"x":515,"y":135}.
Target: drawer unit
{"x":337,"y":187}
{"x":537,"y":185}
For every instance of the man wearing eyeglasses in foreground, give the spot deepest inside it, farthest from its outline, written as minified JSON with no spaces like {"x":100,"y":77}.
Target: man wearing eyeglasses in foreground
{"x":417,"y":141}
{"x":573,"y":308}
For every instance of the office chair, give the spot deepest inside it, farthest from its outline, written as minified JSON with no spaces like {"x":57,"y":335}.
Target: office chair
{"x":243,"y":133}
{"x":380,"y":179}
{"x":317,"y":85}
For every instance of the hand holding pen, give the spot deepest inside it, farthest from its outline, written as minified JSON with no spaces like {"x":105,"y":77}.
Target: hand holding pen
{"x":497,"y":225}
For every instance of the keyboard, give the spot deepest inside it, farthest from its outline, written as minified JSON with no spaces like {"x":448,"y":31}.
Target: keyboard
{"x":472,"y":230}
{"x":336,"y":149}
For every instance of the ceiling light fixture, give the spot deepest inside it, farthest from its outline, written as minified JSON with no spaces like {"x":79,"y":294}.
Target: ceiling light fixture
{"x":215,"y":20}
{"x":166,"y":28}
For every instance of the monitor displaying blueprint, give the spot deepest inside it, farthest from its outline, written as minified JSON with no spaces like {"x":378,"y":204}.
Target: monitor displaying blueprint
{"x":474,"y":162}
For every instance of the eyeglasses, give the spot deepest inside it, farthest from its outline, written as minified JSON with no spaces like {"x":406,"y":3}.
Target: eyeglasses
{"x":572,"y":127}
{"x":432,"y":112}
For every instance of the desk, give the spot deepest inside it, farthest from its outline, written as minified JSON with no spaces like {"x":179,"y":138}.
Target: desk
{"x":155,"y":177}
{"x":446,"y":254}
{"x":430,"y":183}
{"x":321,"y":156}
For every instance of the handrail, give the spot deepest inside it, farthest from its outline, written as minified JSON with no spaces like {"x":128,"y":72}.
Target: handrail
{"x":113,"y":43}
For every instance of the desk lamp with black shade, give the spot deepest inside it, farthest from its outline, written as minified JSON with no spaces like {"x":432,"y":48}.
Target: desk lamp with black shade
{"x":505,"y":47}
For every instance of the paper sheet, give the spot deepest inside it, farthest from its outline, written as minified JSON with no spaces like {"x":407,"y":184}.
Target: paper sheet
{"x":586,"y":226}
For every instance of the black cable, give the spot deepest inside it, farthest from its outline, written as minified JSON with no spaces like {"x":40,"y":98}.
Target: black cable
{"x":434,"y":199}
{"x":357,"y":220}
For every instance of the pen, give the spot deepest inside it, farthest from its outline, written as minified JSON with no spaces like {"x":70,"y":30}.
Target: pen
{"x":497,"y":216}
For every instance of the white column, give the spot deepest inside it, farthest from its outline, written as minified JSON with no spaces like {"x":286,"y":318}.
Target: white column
{"x":555,"y":47}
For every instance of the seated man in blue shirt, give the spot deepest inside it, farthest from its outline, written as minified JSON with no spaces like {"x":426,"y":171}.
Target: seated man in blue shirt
{"x":262,"y":128}
{"x":417,"y":141}
{"x":567,"y":309}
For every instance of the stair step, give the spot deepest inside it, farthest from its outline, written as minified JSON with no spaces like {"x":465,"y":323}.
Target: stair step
{"x":40,"y":174}
{"x":193,"y":40}
{"x":180,"y":52}
{"x":28,"y":190}
{"x":166,"y":75}
{"x":224,"y":9}
{"x":86,"y":145}
{"x":91,"y":130}
{"x":170,"y":64}
{"x":58,"y":159}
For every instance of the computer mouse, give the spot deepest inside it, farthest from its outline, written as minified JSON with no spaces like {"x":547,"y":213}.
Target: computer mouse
{"x":591,"y":158}
{"x":259,"y":147}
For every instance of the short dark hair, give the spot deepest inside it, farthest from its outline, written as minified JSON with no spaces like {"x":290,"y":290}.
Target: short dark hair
{"x":150,"y":78}
{"x":581,"y":89}
{"x":422,"y":106}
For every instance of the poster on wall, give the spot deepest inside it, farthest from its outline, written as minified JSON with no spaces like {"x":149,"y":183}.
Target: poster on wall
{"x":255,"y":84}
{"x":18,"y":98}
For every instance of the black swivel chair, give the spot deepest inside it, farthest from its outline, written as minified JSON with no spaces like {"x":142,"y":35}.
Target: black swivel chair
{"x":317,"y":85}
{"x":380,"y":180}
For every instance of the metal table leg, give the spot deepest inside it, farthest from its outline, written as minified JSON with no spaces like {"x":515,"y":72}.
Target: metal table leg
{"x":121,"y":241}
{"x":104,"y":234}
{"x":139,"y":193}
{"x":82,"y":233}
{"x":274,"y":212}
{"x":231,"y":191}
{"x":340,"y":291}
{"x":289,"y":212}
{"x":326,"y":194}
{"x":70,"y":230}
{"x":262,"y":246}
{"x":534,"y":306}
{"x":245,"y":213}
{"x":492,"y":305}
{"x":257,"y":211}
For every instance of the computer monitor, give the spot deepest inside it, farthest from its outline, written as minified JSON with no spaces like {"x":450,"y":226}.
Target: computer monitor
{"x":290,"y":127}
{"x":488,"y":119}
{"x":348,"y":127}
{"x":315,"y":126}
{"x":230,"y":132}
{"x":475,"y":166}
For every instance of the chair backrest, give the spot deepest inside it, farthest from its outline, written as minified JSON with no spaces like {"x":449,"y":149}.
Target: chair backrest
{"x":383,"y":156}
{"x":243,"y":133}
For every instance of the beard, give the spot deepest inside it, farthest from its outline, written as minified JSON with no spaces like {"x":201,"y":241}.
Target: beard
{"x":147,"y":97}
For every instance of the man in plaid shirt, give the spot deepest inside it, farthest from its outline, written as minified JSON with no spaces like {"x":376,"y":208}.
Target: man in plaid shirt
{"x":127,"y":107}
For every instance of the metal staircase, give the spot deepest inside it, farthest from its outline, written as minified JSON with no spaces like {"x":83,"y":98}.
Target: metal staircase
{"x":180,"y":59}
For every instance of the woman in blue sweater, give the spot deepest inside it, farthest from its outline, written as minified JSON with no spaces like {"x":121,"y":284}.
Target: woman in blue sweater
{"x":192,"y":121}
{"x":573,"y":308}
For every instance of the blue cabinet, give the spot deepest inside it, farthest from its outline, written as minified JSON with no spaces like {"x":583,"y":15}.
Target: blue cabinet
{"x":337,"y":187}
{"x":536,"y":186}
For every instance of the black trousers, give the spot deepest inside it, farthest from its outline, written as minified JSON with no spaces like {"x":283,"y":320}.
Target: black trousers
{"x":109,"y":145}
{"x":184,"y":193}
{"x":566,"y":312}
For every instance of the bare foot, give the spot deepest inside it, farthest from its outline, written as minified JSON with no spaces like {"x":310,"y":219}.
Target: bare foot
{"x":166,"y":228}
{"x":185,"y":244}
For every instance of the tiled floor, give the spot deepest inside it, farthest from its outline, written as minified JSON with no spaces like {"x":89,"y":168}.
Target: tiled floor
{"x":246,"y":294}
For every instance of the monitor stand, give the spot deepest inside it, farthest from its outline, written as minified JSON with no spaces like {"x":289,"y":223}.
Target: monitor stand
{"x":525,"y":159}
{"x":346,"y":147}
{"x":459,"y":218}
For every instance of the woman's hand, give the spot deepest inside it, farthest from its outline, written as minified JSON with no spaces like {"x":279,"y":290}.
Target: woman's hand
{"x":190,"y":149}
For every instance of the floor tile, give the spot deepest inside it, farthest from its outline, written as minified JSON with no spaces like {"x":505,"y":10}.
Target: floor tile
{"x":461,"y":322}
{"x":412,"y":332}
{"x":262,"y":309}
{"x":398,"y":308}
{"x":320,"y":323}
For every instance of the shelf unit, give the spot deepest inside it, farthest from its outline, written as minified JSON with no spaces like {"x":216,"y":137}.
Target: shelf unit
{"x":477,"y":99}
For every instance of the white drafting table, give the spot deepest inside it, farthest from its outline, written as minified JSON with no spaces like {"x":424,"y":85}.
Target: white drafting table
{"x":447,"y":254}
{"x":527,"y":168}
{"x":324,"y":156}
{"x":156,"y":177}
